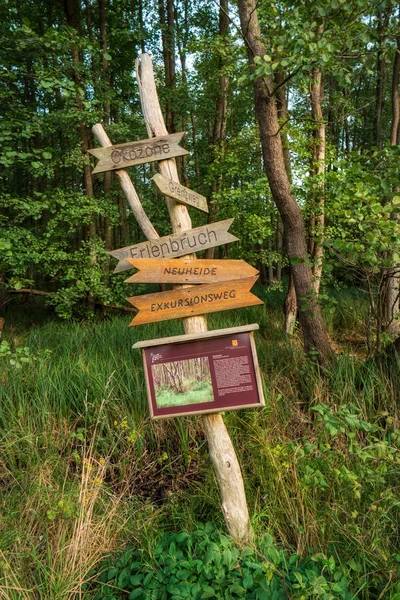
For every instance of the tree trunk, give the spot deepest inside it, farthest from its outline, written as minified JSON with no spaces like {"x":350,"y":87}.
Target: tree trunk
{"x":222,"y":453}
{"x":391,"y":307}
{"x":380,"y":84}
{"x":72,"y":8}
{"x":317,"y":171}
{"x":290,"y":304}
{"x":106,"y":110}
{"x":314,"y":330}
{"x":219,"y":132}
{"x":166,"y":14}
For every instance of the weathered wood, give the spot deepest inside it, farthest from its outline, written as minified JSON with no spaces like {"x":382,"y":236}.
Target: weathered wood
{"x":130,"y":154}
{"x":183,"y":270}
{"x":190,"y":301}
{"x":128,"y":189}
{"x":179,"y":192}
{"x":179,"y":244}
{"x":176,"y":339}
{"x":222,"y":452}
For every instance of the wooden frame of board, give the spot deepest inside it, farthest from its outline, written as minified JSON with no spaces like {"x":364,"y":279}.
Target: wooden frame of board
{"x":202,"y":373}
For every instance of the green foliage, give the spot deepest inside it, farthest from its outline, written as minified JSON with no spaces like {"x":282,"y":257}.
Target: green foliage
{"x":206,"y":564}
{"x":20,"y":356}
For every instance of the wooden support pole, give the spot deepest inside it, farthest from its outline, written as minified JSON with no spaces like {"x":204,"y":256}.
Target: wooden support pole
{"x":222,"y":452}
{"x":128,"y":188}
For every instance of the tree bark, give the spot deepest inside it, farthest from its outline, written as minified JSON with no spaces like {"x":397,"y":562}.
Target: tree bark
{"x":317,"y":172}
{"x":391,"y":307}
{"x":314,"y":330}
{"x":219,"y":131}
{"x":106,"y":110}
{"x":222,"y":453}
{"x":380,"y":80}
{"x":290,"y":304}
{"x":166,"y":14}
{"x":72,"y":12}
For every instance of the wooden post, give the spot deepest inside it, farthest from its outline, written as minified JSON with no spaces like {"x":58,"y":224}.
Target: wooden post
{"x":222,"y":452}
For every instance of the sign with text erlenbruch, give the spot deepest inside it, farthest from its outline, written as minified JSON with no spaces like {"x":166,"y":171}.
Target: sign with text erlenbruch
{"x":191,"y":301}
{"x":183,"y":270}
{"x":121,"y":156}
{"x":178,"y":244}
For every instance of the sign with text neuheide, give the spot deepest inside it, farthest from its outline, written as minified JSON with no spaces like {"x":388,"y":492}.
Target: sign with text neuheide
{"x":179,"y":192}
{"x":202,"y":373}
{"x":121,"y":156}
{"x":191,"y":301}
{"x":182,"y":270}
{"x":178,"y":244}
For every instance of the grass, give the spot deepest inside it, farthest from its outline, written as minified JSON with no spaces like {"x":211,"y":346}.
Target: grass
{"x":83,"y":470}
{"x":167,"y":397}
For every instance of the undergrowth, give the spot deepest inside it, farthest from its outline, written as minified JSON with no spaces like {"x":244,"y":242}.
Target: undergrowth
{"x":84,"y":472}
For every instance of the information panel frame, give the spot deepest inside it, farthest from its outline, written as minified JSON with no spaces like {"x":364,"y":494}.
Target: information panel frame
{"x":202,"y":373}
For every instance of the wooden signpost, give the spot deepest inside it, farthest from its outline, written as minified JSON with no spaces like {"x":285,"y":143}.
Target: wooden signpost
{"x":179,"y":244}
{"x":184,"y":270}
{"x":138,"y":153}
{"x":191,"y":301}
{"x":179,"y":192}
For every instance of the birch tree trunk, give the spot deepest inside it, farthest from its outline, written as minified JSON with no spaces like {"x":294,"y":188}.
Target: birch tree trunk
{"x":222,"y":453}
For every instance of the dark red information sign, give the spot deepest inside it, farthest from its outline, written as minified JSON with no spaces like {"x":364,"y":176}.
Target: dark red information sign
{"x":202,"y":373}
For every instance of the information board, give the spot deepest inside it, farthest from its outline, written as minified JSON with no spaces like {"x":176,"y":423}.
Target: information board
{"x":211,"y":372}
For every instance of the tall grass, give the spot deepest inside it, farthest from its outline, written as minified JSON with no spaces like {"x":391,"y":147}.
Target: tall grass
{"x":83,"y":470}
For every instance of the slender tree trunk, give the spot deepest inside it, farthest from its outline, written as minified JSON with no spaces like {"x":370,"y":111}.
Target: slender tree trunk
{"x":380,"y":80}
{"x":317,"y":171}
{"x":391,"y":308}
{"x":106,"y":110}
{"x":219,"y":133}
{"x":166,"y":14}
{"x":314,"y":330}
{"x":72,"y":12}
{"x":290,"y":304}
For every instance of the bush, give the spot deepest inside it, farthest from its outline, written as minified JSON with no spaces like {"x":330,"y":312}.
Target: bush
{"x":206,"y":564}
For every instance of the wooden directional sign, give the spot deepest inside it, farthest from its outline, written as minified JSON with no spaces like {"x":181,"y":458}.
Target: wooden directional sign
{"x":137,"y":153}
{"x":197,"y":300}
{"x":178,"y":244}
{"x":182,"y":270}
{"x":179,"y":192}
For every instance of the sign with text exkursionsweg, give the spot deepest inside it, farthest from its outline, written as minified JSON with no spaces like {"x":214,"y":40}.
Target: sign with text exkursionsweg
{"x":182,"y":270}
{"x":202,"y":373}
{"x":191,"y":301}
{"x":178,"y":244}
{"x":120,"y":156}
{"x":179,"y":192}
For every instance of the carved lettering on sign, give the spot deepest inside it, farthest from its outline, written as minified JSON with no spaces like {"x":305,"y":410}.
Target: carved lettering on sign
{"x":179,"y":192}
{"x":184,"y":270}
{"x":188,"y":302}
{"x":178,"y":244}
{"x":137,"y":153}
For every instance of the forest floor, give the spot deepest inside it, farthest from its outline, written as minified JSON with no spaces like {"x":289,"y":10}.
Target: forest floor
{"x":84,"y":472}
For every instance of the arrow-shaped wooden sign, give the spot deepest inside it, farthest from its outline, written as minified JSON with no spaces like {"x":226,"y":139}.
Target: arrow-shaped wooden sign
{"x":179,"y":192}
{"x":197,"y":300}
{"x":182,"y":270}
{"x":137,"y":153}
{"x":178,"y":244}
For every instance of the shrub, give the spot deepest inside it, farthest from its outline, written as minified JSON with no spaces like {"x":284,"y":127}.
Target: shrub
{"x":207,"y":564}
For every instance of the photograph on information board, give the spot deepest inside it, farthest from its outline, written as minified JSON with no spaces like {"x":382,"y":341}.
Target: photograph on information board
{"x":182,"y":382}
